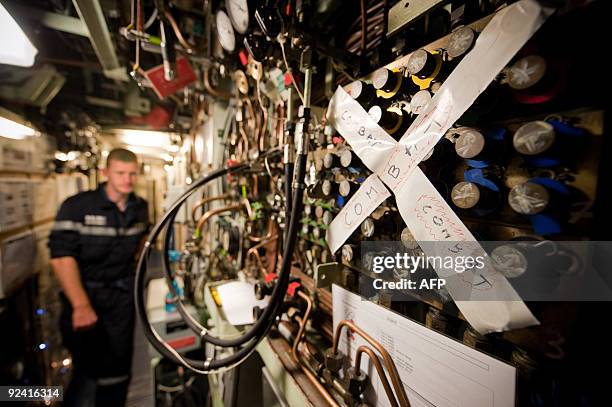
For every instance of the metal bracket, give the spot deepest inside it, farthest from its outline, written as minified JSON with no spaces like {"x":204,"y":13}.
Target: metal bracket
{"x":404,"y":12}
{"x":327,"y":274}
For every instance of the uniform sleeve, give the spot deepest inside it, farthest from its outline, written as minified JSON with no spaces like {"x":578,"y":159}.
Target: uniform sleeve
{"x":65,"y":237}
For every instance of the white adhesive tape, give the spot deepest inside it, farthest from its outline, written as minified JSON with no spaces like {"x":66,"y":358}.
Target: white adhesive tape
{"x":501,"y":39}
{"x":369,"y":141}
{"x":396,"y":165}
{"x":432,"y":222}
{"x":367,"y":198}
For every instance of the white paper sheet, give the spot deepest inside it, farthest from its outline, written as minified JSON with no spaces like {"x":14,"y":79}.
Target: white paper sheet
{"x":237,"y":302}
{"x":436,"y":370}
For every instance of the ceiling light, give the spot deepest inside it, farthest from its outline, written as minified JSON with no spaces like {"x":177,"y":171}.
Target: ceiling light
{"x":60,"y":156}
{"x":16,"y":47}
{"x":151,"y":152}
{"x":144,"y":138}
{"x":13,"y":126}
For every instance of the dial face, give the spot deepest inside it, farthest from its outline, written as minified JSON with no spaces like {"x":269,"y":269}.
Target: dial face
{"x":238,"y":11}
{"x":225,"y":31}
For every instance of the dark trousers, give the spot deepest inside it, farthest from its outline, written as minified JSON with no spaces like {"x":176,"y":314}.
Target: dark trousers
{"x":102,"y":355}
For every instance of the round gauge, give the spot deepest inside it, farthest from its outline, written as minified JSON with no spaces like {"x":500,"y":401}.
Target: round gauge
{"x":528,"y":198}
{"x":470,"y":143}
{"x":348,"y":253}
{"x":419,"y":101}
{"x":526,"y":72}
{"x":238,"y":11}
{"x":417,"y":61}
{"x":465,"y":195}
{"x":327,"y":217}
{"x":509,"y":261}
{"x":367,"y":227}
{"x":408,"y":239}
{"x":534,"y":137}
{"x":227,"y":38}
{"x":460,"y":42}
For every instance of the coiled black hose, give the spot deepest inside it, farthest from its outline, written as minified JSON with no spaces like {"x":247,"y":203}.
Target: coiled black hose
{"x":268,"y":317}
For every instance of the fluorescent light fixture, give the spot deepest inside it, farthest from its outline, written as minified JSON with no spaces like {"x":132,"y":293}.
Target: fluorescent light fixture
{"x":13,"y":126}
{"x":158,"y":153}
{"x":71,"y":155}
{"x":16,"y":46}
{"x":144,"y":138}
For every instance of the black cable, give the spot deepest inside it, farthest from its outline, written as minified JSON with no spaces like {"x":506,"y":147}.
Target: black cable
{"x":288,"y":181}
{"x":150,"y":334}
{"x":278,"y":292}
{"x":267,"y":319}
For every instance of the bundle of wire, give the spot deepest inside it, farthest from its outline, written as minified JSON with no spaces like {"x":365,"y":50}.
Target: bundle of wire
{"x":245,"y":344}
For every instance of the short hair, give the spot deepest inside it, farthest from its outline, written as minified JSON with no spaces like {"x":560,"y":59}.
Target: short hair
{"x":121,"y":154}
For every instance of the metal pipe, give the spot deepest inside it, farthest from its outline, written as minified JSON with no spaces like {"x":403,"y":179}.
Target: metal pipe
{"x":268,"y":234}
{"x":177,"y":32}
{"x":204,"y":201}
{"x":254,"y":252}
{"x":379,"y":369}
{"x":245,"y":142}
{"x":307,"y":87}
{"x":391,"y":368}
{"x":363,"y":27}
{"x":209,"y":214}
{"x":313,"y":379}
{"x":302,"y":329}
{"x":90,"y":12}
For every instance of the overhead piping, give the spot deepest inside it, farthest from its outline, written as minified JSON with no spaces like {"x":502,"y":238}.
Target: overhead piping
{"x":91,"y":14}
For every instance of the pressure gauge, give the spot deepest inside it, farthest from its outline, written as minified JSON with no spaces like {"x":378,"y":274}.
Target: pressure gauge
{"x":238,"y":11}
{"x":225,"y":31}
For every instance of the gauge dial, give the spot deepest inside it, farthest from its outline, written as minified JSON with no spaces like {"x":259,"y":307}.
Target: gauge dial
{"x":238,"y":11}
{"x":227,"y":38}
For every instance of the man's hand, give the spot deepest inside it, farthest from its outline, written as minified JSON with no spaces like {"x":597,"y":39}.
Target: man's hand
{"x":67,"y":272}
{"x":83,"y":317}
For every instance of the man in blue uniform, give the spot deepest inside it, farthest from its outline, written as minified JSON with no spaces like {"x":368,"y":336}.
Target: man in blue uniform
{"x":94,"y":245}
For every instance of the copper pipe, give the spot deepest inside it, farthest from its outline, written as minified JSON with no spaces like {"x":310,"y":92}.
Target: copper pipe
{"x":298,"y":338}
{"x":363,"y":27}
{"x":244,"y":140}
{"x":252,"y":119}
{"x":213,"y":91}
{"x":255,"y":185}
{"x":209,"y":214}
{"x":177,"y":32}
{"x":268,"y":234}
{"x":313,"y":379}
{"x":379,"y":369}
{"x":369,"y":12}
{"x":254,"y":252}
{"x":386,"y":15}
{"x":204,"y":201}
{"x":304,"y":347}
{"x":391,"y":368}
{"x":258,"y":127}
{"x":262,"y":135}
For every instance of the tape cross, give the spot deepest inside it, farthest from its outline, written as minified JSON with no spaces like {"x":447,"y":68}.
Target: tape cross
{"x":394,"y":164}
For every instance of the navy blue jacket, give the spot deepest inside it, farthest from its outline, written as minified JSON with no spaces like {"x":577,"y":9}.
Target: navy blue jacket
{"x":103,"y":240}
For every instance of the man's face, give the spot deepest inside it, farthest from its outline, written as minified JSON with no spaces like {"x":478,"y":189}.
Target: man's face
{"x":121,"y":176}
